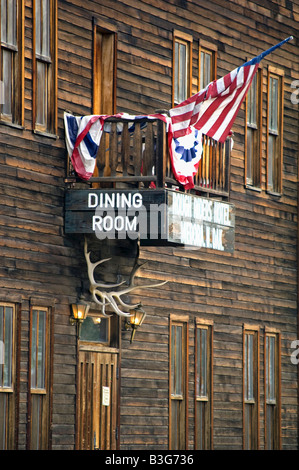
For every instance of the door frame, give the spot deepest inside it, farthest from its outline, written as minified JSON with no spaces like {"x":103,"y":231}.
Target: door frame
{"x":97,"y":348}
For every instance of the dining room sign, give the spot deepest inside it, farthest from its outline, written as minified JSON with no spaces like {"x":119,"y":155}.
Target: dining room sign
{"x":155,"y":217}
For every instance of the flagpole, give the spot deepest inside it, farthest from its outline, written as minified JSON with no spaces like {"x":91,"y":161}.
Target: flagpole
{"x":263,"y":54}
{"x":258,"y":58}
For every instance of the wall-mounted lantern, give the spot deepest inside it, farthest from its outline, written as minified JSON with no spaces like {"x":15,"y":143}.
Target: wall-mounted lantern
{"x":79,"y":311}
{"x":135,"y":321}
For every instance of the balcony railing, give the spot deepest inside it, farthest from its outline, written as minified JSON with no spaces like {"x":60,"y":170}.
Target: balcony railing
{"x":136,"y":155}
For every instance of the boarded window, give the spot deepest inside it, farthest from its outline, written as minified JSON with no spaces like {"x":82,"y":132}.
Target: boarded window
{"x":104,"y":70}
{"x":104,"y":77}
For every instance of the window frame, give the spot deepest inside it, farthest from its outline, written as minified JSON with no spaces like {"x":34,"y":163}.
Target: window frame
{"x":256,"y":129}
{"x":43,"y":389}
{"x":50,"y":62}
{"x":11,"y":436}
{"x":275,"y":187}
{"x":251,"y":405}
{"x":182,"y":436}
{"x":94,"y":316}
{"x":41,"y":396}
{"x":274,"y":404}
{"x":16,"y":118}
{"x":187,"y":40}
{"x":205,"y":401}
{"x":211,"y":49}
{"x":10,"y":388}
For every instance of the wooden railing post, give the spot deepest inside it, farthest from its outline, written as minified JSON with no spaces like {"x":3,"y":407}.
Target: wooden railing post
{"x":161,"y":154}
{"x":227,"y":148}
{"x":125,"y":149}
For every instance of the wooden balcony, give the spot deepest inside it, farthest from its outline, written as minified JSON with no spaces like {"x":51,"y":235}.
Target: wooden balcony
{"x":136,"y":156}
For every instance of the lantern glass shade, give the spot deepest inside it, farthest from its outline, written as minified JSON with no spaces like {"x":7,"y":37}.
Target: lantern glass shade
{"x":137,"y":317}
{"x":80,"y":311}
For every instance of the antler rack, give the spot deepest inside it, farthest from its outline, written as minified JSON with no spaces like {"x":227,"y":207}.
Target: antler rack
{"x":105,"y":293}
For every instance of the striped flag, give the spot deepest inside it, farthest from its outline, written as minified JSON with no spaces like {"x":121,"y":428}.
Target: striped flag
{"x":83,"y":136}
{"x":214,"y":109}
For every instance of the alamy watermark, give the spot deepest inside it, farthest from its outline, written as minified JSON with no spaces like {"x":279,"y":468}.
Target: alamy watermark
{"x":295,"y":94}
{"x":130,"y":223}
{"x":295,"y":353}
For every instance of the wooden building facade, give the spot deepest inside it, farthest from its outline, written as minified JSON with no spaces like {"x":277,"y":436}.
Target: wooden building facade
{"x":214,"y":363}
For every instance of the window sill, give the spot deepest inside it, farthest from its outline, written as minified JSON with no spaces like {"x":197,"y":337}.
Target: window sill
{"x":176,"y":397}
{"x":97,"y":347}
{"x":273,"y":193}
{"x":253,"y":188}
{"x":203,"y":398}
{"x":38,"y":391}
{"x":45,"y":134}
{"x":11,"y":124}
{"x":6,"y":390}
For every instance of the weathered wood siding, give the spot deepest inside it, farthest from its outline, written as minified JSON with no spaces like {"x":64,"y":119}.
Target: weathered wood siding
{"x":257,"y":284}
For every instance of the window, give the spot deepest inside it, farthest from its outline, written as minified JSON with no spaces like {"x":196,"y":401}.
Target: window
{"x":207,"y":64}
{"x":11,"y":72}
{"x":275,"y":131}
{"x":7,"y":376}
{"x":203,"y":386}
{"x":272,"y":390}
{"x":182,"y":67}
{"x":40,"y":369}
{"x":178,"y":383}
{"x":44,"y":67}
{"x":253,"y":133}
{"x":96,"y":328}
{"x":250,"y":388}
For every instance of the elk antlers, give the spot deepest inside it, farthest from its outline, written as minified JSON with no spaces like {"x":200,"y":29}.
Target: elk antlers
{"x":100,"y":290}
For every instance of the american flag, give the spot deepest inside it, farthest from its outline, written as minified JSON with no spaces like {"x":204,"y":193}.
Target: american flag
{"x":214,"y":109}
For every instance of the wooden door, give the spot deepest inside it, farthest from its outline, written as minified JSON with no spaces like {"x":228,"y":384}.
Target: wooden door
{"x":97,"y":400}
